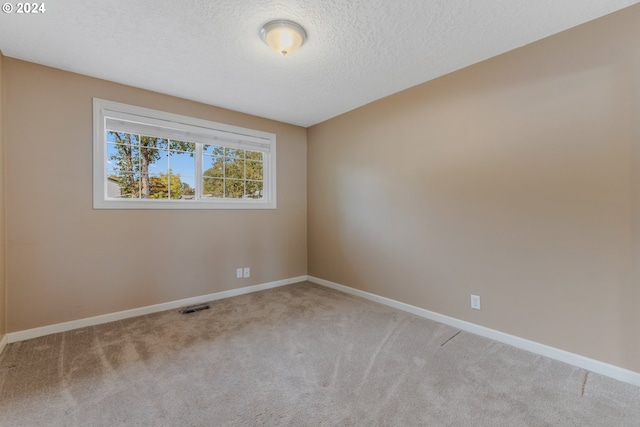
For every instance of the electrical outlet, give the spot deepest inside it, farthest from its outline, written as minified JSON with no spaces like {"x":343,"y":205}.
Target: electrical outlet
{"x":239,"y":273}
{"x":247,"y":272}
{"x":475,"y":302}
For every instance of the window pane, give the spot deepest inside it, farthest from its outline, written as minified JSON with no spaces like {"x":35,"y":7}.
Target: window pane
{"x":174,"y":184}
{"x":182,"y":164}
{"x":234,"y":189}
{"x":254,"y":170}
{"x":212,"y":187}
{"x":253,"y":155}
{"x":187,"y":147}
{"x":158,"y":186}
{"x":234,"y":152}
{"x":254,"y":190}
{"x":187,"y":188}
{"x":122,"y":138}
{"x":151,"y":142}
{"x":213,"y":166}
{"x":157,"y":161}
{"x":213,"y":150}
{"x":234,"y":168}
{"x":120,"y":184}
{"x":123,"y":185}
{"x":144,"y":185}
{"x":123,"y":164}
{"x":122,"y":157}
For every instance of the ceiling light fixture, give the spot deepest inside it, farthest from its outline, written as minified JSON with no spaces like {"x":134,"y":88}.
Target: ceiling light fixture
{"x":283,"y":37}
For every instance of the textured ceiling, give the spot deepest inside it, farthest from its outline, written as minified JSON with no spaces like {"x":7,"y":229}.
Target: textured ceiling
{"x":210,"y":50}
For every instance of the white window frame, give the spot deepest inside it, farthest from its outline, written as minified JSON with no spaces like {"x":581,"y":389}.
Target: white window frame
{"x":175,"y":126}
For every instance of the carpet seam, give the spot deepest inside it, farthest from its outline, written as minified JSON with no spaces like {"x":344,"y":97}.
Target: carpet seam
{"x":584,"y":383}
{"x":454,"y":335}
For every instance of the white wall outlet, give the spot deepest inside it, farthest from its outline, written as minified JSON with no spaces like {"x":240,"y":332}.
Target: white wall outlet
{"x":239,"y":273}
{"x":475,"y":302}
{"x":247,"y":272}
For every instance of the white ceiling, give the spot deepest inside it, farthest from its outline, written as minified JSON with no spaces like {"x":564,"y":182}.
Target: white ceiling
{"x":210,"y":50}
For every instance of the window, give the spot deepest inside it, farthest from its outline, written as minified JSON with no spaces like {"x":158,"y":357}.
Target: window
{"x":147,"y":159}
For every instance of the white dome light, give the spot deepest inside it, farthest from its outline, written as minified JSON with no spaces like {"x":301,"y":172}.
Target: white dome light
{"x":283,"y":37}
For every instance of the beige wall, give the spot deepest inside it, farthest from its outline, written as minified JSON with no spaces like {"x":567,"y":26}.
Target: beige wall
{"x":515,"y":179}
{"x":67,"y":261}
{"x":3,"y":290}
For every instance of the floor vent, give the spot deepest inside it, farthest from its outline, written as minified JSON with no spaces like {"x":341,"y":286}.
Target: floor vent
{"x":194,"y":308}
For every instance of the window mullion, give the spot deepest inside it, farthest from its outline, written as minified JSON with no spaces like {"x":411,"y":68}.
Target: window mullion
{"x":199,"y":178}
{"x":244,"y":177}
{"x":168,"y":169}
{"x":138,"y":167}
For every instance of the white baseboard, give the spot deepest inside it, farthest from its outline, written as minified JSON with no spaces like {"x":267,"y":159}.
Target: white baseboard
{"x":111,"y":317}
{"x":3,"y":342}
{"x":577,"y":360}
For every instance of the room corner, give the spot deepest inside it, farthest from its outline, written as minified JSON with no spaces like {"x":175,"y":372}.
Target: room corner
{"x":3,"y":288}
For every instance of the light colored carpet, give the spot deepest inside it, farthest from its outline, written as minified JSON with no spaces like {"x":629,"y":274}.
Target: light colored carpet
{"x":299,"y":355}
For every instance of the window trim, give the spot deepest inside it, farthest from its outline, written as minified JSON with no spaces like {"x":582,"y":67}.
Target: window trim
{"x":202,"y":131}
